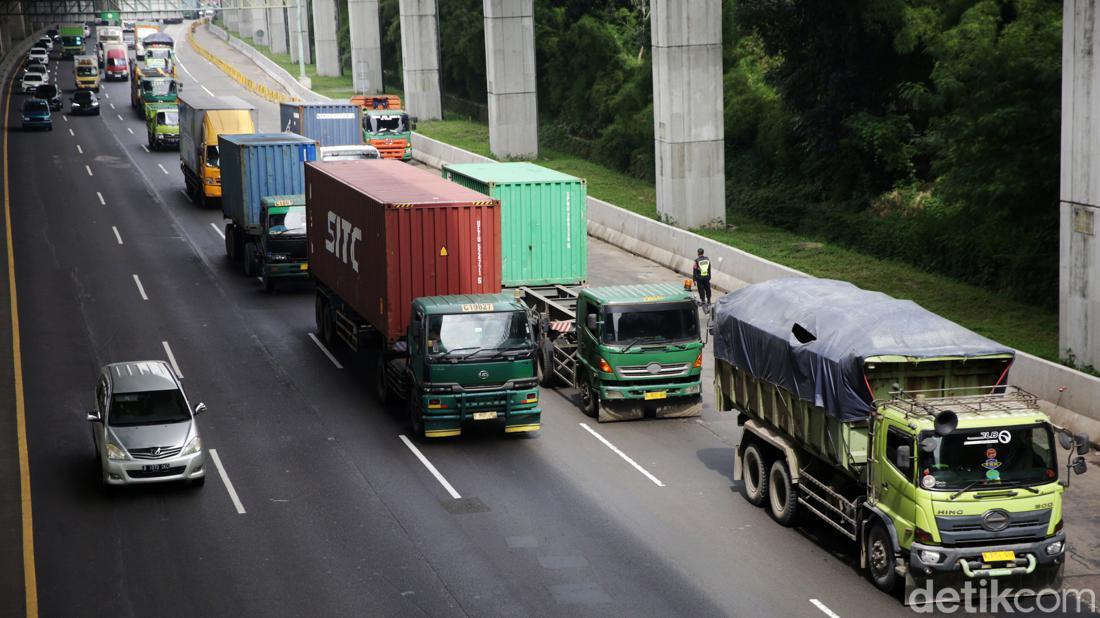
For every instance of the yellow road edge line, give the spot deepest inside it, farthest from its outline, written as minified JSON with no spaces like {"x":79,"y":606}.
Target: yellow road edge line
{"x":30,"y":579}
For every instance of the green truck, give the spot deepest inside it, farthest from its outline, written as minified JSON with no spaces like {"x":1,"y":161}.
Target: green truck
{"x":72,"y":40}
{"x":162,"y":123}
{"x":151,"y":87}
{"x":896,"y":428}
{"x":636,"y":350}
{"x":282,"y":251}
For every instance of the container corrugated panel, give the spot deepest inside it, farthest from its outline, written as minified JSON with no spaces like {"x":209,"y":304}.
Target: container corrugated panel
{"x":382,"y":233}
{"x":260,"y":164}
{"x":331,"y":123}
{"x":543,"y":220}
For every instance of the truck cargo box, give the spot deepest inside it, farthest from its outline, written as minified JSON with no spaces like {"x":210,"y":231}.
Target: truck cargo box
{"x":543,"y":220}
{"x":382,"y":233}
{"x":194,"y":108}
{"x":331,"y":123}
{"x":256,"y":165}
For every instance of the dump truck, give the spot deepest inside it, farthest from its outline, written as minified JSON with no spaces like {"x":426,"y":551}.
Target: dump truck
{"x":895,"y":427}
{"x":162,"y":125}
{"x":282,"y":250}
{"x":151,"y":85}
{"x":407,"y":267}
{"x":86,"y":73}
{"x":72,"y":40}
{"x":203,"y":118}
{"x":386,"y":126}
{"x":637,"y":350}
{"x":255,"y":166}
{"x":336,"y":126}
{"x":160,"y":46}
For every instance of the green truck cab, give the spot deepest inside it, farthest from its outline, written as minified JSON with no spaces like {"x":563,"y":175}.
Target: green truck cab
{"x":470,"y":358}
{"x":162,"y":123}
{"x":390,"y":131}
{"x":72,"y":40}
{"x":632,"y":351}
{"x":896,"y":428}
{"x":282,"y":247}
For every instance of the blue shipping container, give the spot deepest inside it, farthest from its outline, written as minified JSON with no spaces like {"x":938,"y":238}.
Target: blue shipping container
{"x":255,"y":165}
{"x":331,"y":123}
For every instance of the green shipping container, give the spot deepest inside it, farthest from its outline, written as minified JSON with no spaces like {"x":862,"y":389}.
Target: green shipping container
{"x":543,"y":220}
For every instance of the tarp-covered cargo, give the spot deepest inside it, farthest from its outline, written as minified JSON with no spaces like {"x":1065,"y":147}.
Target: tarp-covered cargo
{"x":812,"y":336}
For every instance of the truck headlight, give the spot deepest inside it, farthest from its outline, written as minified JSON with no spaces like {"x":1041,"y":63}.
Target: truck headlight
{"x":613,"y":395}
{"x":194,"y":446}
{"x":276,"y":257}
{"x":930,"y":557}
{"x":208,"y":181}
{"x":116,"y":452}
{"x":1054,"y":548}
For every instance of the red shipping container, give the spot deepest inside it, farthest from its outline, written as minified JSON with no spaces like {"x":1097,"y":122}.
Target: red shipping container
{"x":382,"y":232}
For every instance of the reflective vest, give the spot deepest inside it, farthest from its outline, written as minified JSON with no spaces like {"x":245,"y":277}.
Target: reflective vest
{"x":704,"y":267}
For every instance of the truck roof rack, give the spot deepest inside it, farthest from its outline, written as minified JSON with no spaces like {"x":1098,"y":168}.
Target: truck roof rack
{"x":996,"y":399}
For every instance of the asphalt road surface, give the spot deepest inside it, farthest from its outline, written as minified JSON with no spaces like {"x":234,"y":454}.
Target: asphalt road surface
{"x":331,"y":512}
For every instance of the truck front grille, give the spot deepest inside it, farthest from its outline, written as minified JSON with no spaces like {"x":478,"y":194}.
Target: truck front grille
{"x":968,"y":529}
{"x":654,"y":370}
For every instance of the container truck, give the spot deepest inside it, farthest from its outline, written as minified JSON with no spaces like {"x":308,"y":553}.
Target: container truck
{"x":335,"y":125}
{"x":637,"y":351}
{"x":282,"y":250}
{"x":72,"y":40}
{"x":203,"y":118}
{"x":408,"y":266}
{"x":896,"y":428}
{"x":86,"y":73}
{"x":386,"y":126}
{"x":255,"y":166}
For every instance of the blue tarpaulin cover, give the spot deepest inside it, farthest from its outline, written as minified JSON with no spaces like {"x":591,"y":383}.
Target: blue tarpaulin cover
{"x":755,"y":331}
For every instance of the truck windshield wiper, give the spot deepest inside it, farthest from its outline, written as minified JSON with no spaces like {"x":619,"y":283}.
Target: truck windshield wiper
{"x":966,"y":488}
{"x":448,"y":353}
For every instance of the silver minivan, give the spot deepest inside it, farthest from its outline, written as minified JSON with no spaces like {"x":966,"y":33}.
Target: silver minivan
{"x":143,"y":427}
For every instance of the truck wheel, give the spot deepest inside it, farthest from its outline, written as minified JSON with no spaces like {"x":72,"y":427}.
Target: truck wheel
{"x":416,"y":415}
{"x":381,"y":388}
{"x":782,"y":494}
{"x":545,"y":364}
{"x":269,"y":283}
{"x":590,"y":399}
{"x":880,"y":558}
{"x":328,"y":333}
{"x":319,"y":309}
{"x":754,"y":475}
{"x":230,"y":241}
{"x":250,"y":259}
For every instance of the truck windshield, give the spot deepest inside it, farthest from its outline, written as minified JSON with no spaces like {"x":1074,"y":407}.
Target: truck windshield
{"x":159,"y":87}
{"x":170,"y":118}
{"x":290,"y":223}
{"x":147,"y":408}
{"x":650,"y":322}
{"x":212,"y":158}
{"x":391,"y":123}
{"x":467,"y":334}
{"x":87,"y":71}
{"x":72,"y":41}
{"x":1011,"y":456}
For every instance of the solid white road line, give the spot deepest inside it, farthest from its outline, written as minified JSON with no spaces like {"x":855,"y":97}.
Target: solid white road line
{"x":311,"y":335}
{"x":172,"y":359}
{"x":89,"y":170}
{"x":162,"y":168}
{"x":102,"y":202}
{"x":79,"y":149}
{"x":225,"y":481}
{"x":71,"y":133}
{"x":208,"y":91}
{"x":825,"y":610}
{"x":430,"y":467}
{"x":118,"y":236}
{"x":119,"y":116}
{"x":626,"y":458}
{"x":141,"y":289}
{"x":130,"y":130}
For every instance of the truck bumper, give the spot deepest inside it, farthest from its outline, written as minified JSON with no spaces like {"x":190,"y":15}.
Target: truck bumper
{"x":673,"y":400}
{"x":445,"y":414}
{"x":214,"y":190}
{"x":969,"y":563}
{"x":287,"y":270}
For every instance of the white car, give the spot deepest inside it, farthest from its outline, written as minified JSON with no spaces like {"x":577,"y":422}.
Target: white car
{"x":39,"y":54}
{"x":45,"y":42}
{"x":349,"y":153}
{"x":32,"y":81}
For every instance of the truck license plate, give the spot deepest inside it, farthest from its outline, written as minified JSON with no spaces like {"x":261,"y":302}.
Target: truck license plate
{"x":304,"y":266}
{"x":657,"y":395}
{"x":998,"y":556}
{"x":485,"y":416}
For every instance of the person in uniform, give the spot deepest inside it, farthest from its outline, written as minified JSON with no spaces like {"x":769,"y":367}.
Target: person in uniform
{"x":700,"y":273}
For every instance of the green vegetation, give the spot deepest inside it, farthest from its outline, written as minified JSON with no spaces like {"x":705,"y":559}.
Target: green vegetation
{"x":335,"y":87}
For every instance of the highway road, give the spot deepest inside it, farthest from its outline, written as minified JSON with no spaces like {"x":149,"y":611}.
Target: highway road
{"x":319,"y":507}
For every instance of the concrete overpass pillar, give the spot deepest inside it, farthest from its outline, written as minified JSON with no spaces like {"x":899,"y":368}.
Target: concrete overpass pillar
{"x":324,"y":37}
{"x":1079,"y":247}
{"x":231,"y":15}
{"x":298,"y":23}
{"x":258,"y":21}
{"x":420,"y":58}
{"x":244,"y":20}
{"x":510,"y":72}
{"x":366,"y":46}
{"x":276,"y":20}
{"x":687,"y":111}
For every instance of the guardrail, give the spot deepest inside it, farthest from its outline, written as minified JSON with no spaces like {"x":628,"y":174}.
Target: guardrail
{"x":260,"y":90}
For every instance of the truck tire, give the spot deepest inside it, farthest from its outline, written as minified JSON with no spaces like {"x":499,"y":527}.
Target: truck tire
{"x":782,"y":494}
{"x":320,"y":307}
{"x":328,"y":333}
{"x":416,"y":415}
{"x":381,"y":387}
{"x":879,"y":550}
{"x":754,"y":475}
{"x":545,"y":364}
{"x":251,"y":255}
{"x":590,"y":398}
{"x":269,"y":283}
{"x":231,"y":242}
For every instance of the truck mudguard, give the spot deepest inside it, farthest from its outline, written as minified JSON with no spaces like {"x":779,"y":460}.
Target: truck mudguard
{"x":811,"y":337}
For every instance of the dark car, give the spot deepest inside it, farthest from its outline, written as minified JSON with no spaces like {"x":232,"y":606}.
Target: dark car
{"x":84,"y":102}
{"x":51,"y":94}
{"x":36,"y":115}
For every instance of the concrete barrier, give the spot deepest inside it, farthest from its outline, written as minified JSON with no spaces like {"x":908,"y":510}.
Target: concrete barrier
{"x":277,"y":73}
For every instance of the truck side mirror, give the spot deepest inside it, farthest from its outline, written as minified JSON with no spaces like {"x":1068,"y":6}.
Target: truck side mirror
{"x":1079,"y":465}
{"x":903,"y":459}
{"x":1064,"y":440}
{"x":590,"y":322}
{"x":929,"y":444}
{"x":1082,"y":440}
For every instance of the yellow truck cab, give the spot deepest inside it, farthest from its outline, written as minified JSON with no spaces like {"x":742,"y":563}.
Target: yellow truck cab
{"x":86,"y":70}
{"x":202,"y":119}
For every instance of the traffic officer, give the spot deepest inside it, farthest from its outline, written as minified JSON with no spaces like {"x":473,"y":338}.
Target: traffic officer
{"x":700,"y":273}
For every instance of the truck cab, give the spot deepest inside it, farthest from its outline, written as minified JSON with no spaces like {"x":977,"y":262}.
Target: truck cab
{"x":162,"y":122}
{"x":471,"y":359}
{"x":158,"y":88}
{"x":390,"y":131}
{"x":282,"y":249}
{"x":72,"y":41}
{"x":86,"y":73}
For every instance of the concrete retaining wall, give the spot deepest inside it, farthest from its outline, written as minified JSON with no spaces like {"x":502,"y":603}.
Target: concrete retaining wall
{"x":276,"y":72}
